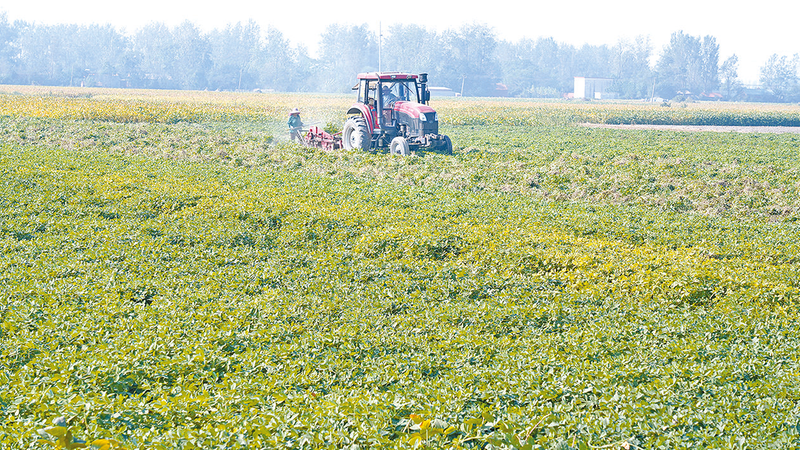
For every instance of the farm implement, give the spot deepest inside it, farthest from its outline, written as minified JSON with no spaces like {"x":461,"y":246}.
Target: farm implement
{"x":319,"y":138}
{"x":392,"y":111}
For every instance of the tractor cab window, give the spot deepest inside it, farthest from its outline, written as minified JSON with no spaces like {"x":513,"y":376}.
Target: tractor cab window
{"x":399,"y":91}
{"x":367,"y":92}
{"x":389,"y":91}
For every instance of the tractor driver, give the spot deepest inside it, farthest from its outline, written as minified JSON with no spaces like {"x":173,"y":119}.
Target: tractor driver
{"x":388,"y":96}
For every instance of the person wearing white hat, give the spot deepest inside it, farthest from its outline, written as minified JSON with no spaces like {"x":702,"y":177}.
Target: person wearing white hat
{"x":295,"y":124}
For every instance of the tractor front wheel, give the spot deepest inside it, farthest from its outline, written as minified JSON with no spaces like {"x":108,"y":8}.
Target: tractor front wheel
{"x":447,"y":146}
{"x":355,"y":135}
{"x":399,"y":146}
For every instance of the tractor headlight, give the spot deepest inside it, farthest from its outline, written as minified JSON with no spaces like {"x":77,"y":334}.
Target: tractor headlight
{"x":422,"y":117}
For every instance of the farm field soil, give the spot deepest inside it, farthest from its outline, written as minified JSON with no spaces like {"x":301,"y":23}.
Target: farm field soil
{"x":176,"y":275}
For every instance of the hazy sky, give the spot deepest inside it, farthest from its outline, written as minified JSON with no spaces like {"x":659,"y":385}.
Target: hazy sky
{"x":753,"y":31}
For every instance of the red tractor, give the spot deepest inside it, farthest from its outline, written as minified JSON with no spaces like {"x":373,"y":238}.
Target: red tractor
{"x":392,"y":111}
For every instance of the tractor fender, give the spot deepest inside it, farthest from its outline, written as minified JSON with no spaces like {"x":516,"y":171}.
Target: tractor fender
{"x":366,"y":112}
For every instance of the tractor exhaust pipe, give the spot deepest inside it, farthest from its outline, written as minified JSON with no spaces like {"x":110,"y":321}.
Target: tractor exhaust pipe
{"x":425,"y":96}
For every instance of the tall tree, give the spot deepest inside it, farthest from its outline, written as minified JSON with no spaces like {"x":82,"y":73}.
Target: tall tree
{"x":688,"y":64}
{"x":303,"y":79}
{"x":594,"y":61}
{"x":469,"y":59}
{"x":516,"y":65}
{"x":278,"y":63}
{"x":545,"y":59}
{"x":193,"y":57}
{"x":156,"y":51}
{"x":729,"y":75}
{"x":779,"y":75}
{"x":235,"y":53}
{"x":679,"y":69}
{"x":344,"y":52}
{"x":631,"y":71}
{"x":100,"y":56}
{"x":543,"y":67}
{"x":709,"y":64}
{"x":412,"y":48}
{"x":8,"y":51}
{"x":47,"y":54}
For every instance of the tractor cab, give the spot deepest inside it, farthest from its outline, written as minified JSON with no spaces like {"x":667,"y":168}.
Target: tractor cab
{"x":389,"y":91}
{"x":393,"y":105}
{"x":381,"y":91}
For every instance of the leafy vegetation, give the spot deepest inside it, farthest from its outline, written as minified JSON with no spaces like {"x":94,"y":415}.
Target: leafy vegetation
{"x":507,"y":146}
{"x":171,"y":107}
{"x":204,"y":284}
{"x":503,"y":112}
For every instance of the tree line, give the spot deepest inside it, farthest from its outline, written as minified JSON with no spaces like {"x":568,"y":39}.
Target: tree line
{"x":470,"y":60}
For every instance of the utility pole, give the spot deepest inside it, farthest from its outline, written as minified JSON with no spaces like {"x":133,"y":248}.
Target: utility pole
{"x":653,"y":92}
{"x":380,"y":44}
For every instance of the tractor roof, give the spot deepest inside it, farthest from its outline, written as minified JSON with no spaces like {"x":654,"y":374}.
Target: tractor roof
{"x":386,"y":76}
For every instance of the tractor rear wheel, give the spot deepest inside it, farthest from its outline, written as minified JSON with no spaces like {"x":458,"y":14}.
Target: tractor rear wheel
{"x":355,"y":135}
{"x":399,"y":146}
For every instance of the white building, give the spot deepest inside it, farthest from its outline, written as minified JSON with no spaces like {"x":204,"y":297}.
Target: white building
{"x":441,"y":91}
{"x":593,"y":88}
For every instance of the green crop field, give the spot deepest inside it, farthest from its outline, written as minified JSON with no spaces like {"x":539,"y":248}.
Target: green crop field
{"x":175,"y":274}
